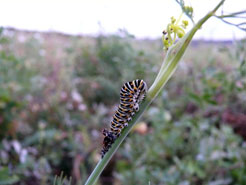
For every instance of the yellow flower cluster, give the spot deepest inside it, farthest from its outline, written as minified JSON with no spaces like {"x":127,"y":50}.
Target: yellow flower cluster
{"x":173,"y":30}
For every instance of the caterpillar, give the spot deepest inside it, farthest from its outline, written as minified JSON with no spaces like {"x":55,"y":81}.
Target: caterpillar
{"x":131,"y":95}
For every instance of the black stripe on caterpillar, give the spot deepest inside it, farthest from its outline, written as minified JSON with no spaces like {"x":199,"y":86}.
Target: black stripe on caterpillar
{"x":131,"y":95}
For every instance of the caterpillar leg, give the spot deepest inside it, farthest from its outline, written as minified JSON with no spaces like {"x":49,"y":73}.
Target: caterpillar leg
{"x":136,"y":107}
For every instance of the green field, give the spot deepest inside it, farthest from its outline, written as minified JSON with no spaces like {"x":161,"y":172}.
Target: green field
{"x":58,"y":92}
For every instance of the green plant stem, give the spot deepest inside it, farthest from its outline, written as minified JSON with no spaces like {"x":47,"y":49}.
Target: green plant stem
{"x":168,"y":68}
{"x":233,"y":15}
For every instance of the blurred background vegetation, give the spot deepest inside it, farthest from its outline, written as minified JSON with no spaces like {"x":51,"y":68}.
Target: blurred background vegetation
{"x":57,"y":92}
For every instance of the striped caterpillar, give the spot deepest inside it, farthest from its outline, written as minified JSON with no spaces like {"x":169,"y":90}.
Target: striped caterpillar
{"x":131,"y":94}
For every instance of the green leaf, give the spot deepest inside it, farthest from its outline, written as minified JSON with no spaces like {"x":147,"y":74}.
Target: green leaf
{"x":6,"y":178}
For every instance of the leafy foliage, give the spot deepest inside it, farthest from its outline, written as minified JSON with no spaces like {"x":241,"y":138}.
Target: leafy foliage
{"x":58,"y":92}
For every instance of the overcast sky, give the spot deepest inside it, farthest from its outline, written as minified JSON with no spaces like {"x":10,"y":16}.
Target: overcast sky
{"x":142,"y":18}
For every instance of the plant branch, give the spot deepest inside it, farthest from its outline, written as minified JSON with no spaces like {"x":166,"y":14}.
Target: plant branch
{"x":240,"y":14}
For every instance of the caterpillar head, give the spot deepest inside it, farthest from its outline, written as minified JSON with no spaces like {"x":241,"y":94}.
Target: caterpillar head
{"x":109,"y":136}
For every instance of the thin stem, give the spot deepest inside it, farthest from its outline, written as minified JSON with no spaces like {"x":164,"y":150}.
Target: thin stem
{"x":233,"y":15}
{"x":180,"y":16}
{"x":236,"y":25}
